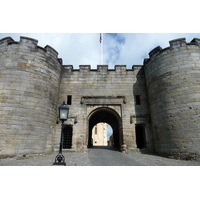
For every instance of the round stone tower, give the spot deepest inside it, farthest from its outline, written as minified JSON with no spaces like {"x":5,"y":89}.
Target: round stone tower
{"x":173,"y":87}
{"x":29,"y":85}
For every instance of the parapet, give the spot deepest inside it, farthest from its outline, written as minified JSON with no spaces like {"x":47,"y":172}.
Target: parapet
{"x":155,"y":51}
{"x":4,"y":43}
{"x":29,"y":45}
{"x":85,"y":68}
{"x":51,"y":51}
{"x":28,"y":41}
{"x":177,"y":43}
{"x":174,"y":44}
{"x":120,"y":68}
{"x":6,"y":40}
{"x":195,"y":41}
{"x":101,"y":68}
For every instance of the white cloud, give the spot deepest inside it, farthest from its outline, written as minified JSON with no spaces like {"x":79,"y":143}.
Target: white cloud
{"x":136,"y":47}
{"x":119,"y":49}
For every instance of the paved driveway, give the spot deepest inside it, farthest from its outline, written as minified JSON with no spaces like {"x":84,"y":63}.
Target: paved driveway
{"x":100,"y":157}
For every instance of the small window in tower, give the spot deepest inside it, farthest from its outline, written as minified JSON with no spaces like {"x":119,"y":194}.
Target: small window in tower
{"x":137,"y":100}
{"x":69,"y":99}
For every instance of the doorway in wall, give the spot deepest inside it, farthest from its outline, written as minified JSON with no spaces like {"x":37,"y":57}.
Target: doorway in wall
{"x":67,"y":137}
{"x":140,"y":136}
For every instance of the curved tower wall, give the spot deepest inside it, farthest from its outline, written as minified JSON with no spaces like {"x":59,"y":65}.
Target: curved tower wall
{"x":173,"y":86}
{"x":29,"y":85}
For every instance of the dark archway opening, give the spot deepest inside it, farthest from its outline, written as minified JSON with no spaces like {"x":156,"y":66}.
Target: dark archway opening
{"x":140,"y":136}
{"x":110,"y":117}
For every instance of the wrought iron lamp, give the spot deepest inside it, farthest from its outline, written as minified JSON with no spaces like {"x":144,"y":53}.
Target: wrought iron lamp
{"x":63,"y":115}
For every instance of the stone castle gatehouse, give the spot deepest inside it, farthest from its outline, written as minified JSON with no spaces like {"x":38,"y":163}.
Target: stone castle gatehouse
{"x":154,"y":106}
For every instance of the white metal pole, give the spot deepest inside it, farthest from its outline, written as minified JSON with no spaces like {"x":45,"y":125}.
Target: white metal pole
{"x":102,"y":49}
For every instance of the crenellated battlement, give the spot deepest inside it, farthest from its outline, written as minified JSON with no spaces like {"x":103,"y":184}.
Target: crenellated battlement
{"x":29,"y":45}
{"x":180,"y":42}
{"x":101,"y":68}
{"x":174,"y":46}
{"x":29,"y":85}
{"x":172,"y":77}
{"x":28,"y":41}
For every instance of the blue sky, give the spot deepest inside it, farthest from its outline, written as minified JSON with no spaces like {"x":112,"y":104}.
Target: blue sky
{"x":119,"y":48}
{"x":131,"y":29}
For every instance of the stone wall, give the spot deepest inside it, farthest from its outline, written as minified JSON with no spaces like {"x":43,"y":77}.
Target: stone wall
{"x":160,"y":97}
{"x":104,"y":88}
{"x":173,"y":85}
{"x":29,"y":86}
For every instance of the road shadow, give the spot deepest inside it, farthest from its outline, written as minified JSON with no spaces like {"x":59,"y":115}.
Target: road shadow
{"x":112,"y":148}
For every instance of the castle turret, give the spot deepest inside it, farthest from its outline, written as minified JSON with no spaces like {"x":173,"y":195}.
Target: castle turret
{"x":29,"y":84}
{"x":173,"y":86}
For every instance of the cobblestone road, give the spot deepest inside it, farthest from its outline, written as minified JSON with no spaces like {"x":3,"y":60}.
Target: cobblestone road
{"x":100,"y":157}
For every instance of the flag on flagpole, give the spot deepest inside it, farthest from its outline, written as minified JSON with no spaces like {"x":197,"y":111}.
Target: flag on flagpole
{"x":101,"y":48}
{"x":100,"y":39}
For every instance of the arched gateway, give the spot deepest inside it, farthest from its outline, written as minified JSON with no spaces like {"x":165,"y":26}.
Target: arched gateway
{"x":109,"y":116}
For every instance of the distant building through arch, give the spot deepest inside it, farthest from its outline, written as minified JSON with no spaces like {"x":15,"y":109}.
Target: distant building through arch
{"x":99,"y":134}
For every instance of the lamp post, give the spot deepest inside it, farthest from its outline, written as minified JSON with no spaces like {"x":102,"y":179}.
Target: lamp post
{"x":63,"y":115}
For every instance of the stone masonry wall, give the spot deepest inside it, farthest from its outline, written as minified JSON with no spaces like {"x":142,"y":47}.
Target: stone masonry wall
{"x":103,"y":88}
{"x":173,"y":85}
{"x":29,"y":86}
{"x":33,"y":83}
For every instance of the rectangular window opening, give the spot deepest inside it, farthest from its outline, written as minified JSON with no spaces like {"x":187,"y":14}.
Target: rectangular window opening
{"x":137,"y":100}
{"x":69,"y":99}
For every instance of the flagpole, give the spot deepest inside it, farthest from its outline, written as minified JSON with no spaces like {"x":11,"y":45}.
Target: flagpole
{"x":101,"y":48}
